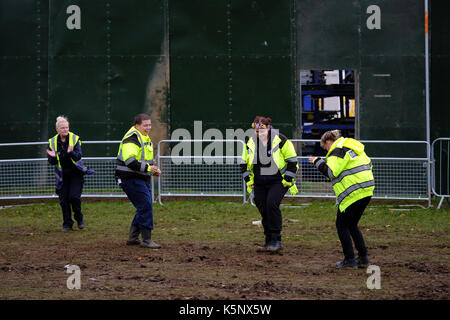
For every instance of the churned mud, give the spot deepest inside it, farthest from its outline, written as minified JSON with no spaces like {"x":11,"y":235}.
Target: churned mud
{"x":214,"y":270}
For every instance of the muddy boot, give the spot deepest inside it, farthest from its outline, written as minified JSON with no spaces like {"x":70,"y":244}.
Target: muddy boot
{"x":363,"y":262}
{"x":347,"y":264}
{"x":133,"y":238}
{"x":266,"y":244}
{"x":147,"y":241}
{"x":274,"y":243}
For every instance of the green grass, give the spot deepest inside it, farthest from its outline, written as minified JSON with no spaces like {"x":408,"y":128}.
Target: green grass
{"x":209,"y":248}
{"x":231,"y":221}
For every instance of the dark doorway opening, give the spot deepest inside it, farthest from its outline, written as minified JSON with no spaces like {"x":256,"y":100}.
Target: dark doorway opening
{"x":328,"y":103}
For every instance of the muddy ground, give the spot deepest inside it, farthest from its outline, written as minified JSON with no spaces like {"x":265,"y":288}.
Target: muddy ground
{"x":215,"y":271}
{"x":34,"y":253}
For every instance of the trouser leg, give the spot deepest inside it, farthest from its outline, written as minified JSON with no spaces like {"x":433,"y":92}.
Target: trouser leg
{"x":343,"y":231}
{"x":63,"y":195}
{"x":355,"y":212}
{"x":260,"y":202}
{"x":139,"y":193}
{"x":275,"y":195}
{"x":76,"y":188}
{"x":347,"y":228}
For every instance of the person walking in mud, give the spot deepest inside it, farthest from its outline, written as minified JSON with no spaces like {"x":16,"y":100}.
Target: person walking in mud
{"x":269,"y":167}
{"x":350,"y":172}
{"x":133,"y":173}
{"x":64,"y":152}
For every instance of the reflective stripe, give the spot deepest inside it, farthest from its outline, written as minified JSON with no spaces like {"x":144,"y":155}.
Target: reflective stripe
{"x":292,"y":159}
{"x":290,"y":174}
{"x":364,"y":167}
{"x":330,"y":174}
{"x":352,"y":188}
{"x":130,"y":160}
{"x":283,"y":170}
{"x":124,"y":168}
{"x":319,"y":162}
{"x":74,"y":138}
{"x":143,"y":165}
{"x":246,"y":174}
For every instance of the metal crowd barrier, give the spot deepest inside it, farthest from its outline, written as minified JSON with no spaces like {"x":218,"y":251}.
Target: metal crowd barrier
{"x":441,"y":168}
{"x":395,"y":177}
{"x":219,"y":175}
{"x":35,"y":178}
{"x":200,"y":175}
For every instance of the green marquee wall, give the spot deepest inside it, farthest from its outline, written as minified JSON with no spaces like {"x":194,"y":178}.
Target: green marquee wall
{"x":218,"y":61}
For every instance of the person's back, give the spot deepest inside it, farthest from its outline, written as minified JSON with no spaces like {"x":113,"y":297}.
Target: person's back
{"x":350,"y":172}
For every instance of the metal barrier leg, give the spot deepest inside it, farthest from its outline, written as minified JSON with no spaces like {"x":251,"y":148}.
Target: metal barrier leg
{"x":440,"y":203}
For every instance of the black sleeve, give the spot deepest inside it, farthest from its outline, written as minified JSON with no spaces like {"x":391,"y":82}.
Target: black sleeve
{"x":322,"y":166}
{"x":291,"y":166}
{"x":243,"y":170}
{"x":283,"y":139}
{"x":136,"y":166}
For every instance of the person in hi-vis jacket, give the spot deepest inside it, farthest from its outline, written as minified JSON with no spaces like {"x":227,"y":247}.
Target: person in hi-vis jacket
{"x":133,"y":173}
{"x":349,"y":169}
{"x":269,"y":168}
{"x":64,"y":152}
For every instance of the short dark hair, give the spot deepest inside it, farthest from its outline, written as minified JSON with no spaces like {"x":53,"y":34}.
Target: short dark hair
{"x":263,"y":120}
{"x":141,"y":117}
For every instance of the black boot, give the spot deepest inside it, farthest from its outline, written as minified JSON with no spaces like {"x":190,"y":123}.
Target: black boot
{"x":133,"y":238}
{"x":274,"y":243}
{"x":147,"y":241}
{"x":347,"y":263}
{"x":266,"y":244}
{"x":363,"y":262}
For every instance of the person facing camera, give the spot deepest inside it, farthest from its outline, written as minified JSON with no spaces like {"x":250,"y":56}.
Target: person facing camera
{"x":133,"y":173}
{"x":269,"y":167}
{"x":64,"y":152}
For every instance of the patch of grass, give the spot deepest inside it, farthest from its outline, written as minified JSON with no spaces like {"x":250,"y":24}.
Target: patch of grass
{"x":209,"y":251}
{"x":223,"y":221}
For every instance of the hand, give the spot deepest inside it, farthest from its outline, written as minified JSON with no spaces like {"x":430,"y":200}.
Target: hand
{"x":250,"y":187}
{"x":51,"y":153}
{"x":312,"y":159}
{"x":69,"y":149}
{"x":286,"y":183}
{"x":154,"y":170}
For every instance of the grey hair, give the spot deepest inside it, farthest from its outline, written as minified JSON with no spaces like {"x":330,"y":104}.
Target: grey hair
{"x":61,"y":119}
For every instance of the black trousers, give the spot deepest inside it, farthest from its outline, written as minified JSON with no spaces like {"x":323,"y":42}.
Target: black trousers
{"x":70,"y":196}
{"x":268,"y":198}
{"x":347,"y":228}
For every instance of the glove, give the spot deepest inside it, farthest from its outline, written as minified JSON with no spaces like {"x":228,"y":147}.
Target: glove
{"x":287,"y":183}
{"x":90,"y":172}
{"x":249,"y":190}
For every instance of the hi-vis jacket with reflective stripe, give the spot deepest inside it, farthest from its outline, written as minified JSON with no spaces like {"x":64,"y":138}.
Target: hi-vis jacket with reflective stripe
{"x":283,"y":153}
{"x":75,"y":142}
{"x":350,"y":171}
{"x":135,"y":156}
